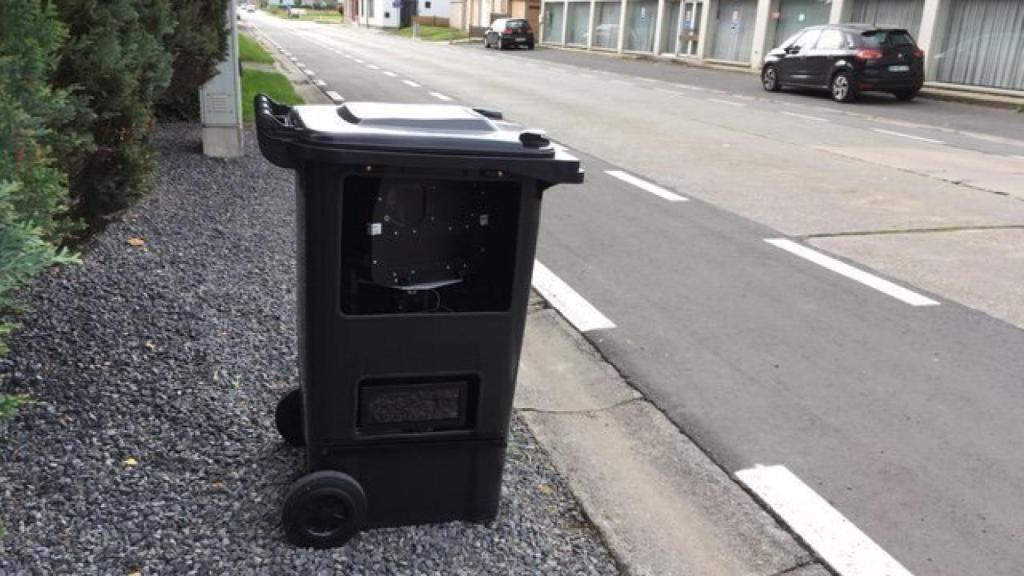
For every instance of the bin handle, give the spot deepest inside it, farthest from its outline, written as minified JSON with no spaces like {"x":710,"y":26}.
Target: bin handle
{"x":274,"y":129}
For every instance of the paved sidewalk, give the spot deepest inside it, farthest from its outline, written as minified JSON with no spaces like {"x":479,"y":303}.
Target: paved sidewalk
{"x":156,"y":366}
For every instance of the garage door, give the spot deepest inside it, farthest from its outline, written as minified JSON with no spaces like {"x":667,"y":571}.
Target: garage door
{"x":904,"y":14}
{"x":795,"y":15}
{"x":734,"y":30}
{"x":983,"y":44}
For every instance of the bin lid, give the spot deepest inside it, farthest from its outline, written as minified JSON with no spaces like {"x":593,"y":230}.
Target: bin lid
{"x":423,"y":128}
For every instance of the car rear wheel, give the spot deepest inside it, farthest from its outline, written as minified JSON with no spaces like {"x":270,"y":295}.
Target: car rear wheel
{"x":770,"y":79}
{"x":486,"y":43}
{"x":905,"y":95}
{"x":529,"y":46}
{"x":844,"y":89}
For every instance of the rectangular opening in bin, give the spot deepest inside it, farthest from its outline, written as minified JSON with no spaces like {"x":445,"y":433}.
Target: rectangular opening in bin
{"x":416,"y":245}
{"x":415,"y":404}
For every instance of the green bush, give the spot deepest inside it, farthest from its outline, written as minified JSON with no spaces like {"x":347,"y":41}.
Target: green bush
{"x":198,"y":44}
{"x":33,"y":128}
{"x":116,"y":64}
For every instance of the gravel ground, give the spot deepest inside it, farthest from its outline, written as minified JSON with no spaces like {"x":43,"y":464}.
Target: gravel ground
{"x":156,"y":369}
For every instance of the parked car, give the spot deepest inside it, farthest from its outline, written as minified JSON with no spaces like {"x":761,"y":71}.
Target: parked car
{"x":250,"y":8}
{"x":505,"y":32}
{"x":847,"y":59}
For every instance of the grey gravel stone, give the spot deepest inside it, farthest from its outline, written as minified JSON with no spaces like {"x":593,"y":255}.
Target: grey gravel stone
{"x":174,"y":354}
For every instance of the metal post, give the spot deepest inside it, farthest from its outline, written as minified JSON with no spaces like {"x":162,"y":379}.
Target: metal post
{"x":220,"y":102}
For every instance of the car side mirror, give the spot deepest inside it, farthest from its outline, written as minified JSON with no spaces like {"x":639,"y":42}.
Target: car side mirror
{"x":793,"y":50}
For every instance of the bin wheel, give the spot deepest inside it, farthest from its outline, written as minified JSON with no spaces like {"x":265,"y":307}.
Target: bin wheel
{"x":288,"y":418}
{"x":323,"y":510}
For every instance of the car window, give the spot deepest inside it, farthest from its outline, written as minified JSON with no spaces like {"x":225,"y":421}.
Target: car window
{"x":789,"y":41}
{"x":887,"y":39}
{"x":830,"y":40}
{"x":808,"y":39}
{"x":498,"y":24}
{"x":518,"y":24}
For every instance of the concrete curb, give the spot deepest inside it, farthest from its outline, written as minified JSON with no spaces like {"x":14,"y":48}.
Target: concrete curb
{"x":661,"y":504}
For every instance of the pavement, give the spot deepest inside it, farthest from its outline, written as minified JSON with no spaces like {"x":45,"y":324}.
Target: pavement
{"x":831,"y":291}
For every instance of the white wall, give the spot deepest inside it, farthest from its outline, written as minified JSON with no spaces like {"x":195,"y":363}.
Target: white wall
{"x":439,"y":8}
{"x":385,"y":15}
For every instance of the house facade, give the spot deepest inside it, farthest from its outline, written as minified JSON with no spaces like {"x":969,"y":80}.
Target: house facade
{"x":968,"y":43}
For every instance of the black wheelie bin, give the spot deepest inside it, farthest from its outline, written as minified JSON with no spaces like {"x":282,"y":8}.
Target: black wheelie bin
{"x":417,"y":227}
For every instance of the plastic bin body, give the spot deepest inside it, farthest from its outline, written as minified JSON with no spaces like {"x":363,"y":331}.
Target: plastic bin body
{"x":415,"y":253}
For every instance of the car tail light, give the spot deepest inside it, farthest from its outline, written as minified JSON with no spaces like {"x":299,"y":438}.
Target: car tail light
{"x":869,"y":54}
{"x":918,"y":53}
{"x":507,"y":32}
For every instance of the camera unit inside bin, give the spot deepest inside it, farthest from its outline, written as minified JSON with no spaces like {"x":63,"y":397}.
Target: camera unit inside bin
{"x":426,"y":245}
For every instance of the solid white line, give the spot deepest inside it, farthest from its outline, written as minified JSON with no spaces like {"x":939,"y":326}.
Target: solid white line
{"x":805,"y":116}
{"x":645,"y":185}
{"x":335,"y":96}
{"x":730,"y":103}
{"x":845,"y":548}
{"x":911,"y":136}
{"x":319,"y":83}
{"x":567,"y":301}
{"x":410,"y":83}
{"x":855,"y":274}
{"x":440,"y":96}
{"x":373,"y":67}
{"x":390,"y":73}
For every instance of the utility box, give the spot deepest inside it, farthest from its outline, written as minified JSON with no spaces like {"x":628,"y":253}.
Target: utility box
{"x":220,"y":102}
{"x":417,"y":228}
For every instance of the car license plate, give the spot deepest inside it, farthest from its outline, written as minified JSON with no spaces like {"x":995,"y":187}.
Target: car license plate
{"x":523,"y":39}
{"x":899,"y":68}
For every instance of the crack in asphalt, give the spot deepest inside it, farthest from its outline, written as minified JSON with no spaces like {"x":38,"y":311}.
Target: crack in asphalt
{"x":937,"y":229}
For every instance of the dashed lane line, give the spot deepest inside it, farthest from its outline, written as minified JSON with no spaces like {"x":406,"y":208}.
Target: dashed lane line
{"x":569,"y":303}
{"x":857,"y":275}
{"x":843,"y":546}
{"x":645,"y":185}
{"x":910,"y":136}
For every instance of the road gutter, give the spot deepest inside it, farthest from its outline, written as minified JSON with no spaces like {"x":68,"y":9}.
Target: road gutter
{"x":660,"y":503}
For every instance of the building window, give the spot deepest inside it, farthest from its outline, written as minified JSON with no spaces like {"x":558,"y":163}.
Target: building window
{"x":606,"y":24}
{"x":427,"y":4}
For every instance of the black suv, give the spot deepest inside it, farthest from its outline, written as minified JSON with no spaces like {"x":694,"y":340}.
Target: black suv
{"x":847,"y":59}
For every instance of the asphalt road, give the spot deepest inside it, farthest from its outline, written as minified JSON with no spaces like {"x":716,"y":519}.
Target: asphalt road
{"x":907,"y":419}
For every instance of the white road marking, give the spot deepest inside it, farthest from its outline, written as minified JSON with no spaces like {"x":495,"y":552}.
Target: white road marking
{"x":1018,"y":157}
{"x":390,"y":73}
{"x":373,"y":67}
{"x":360,"y":61}
{"x":729,"y":102}
{"x":335,"y":96}
{"x":295,"y":60}
{"x":645,"y":185}
{"x":440,"y":96}
{"x":669,"y":91}
{"x":308,"y":72}
{"x":622,"y":82}
{"x":855,"y":274}
{"x":845,"y":548}
{"x":567,"y":301}
{"x":558,"y":146}
{"x":349,"y":56}
{"x":319,"y":83}
{"x":410,"y":83}
{"x":911,"y":136}
{"x":805,"y":116}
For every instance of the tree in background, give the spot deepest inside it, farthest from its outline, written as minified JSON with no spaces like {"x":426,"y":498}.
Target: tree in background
{"x":116,"y":64}
{"x":199,"y":43}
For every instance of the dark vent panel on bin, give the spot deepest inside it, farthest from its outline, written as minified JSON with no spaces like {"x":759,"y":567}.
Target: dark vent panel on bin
{"x":417,"y":245}
{"x":414,"y":405}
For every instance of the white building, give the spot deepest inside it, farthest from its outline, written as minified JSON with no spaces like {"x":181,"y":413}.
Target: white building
{"x":436,"y":8}
{"x":977,"y":43}
{"x":380,"y":13}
